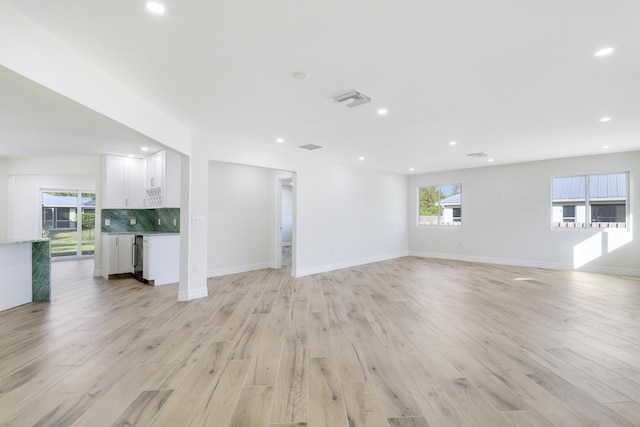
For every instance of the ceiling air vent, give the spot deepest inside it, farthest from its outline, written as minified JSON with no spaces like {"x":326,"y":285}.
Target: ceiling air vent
{"x":477,"y":155}
{"x":310,"y":147}
{"x":353,"y":98}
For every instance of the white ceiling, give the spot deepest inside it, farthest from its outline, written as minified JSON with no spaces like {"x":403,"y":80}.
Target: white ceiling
{"x":35,"y":121}
{"x":517,"y":80}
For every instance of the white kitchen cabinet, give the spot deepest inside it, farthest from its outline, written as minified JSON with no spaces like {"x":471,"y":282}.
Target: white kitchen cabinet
{"x":155,"y":170}
{"x":123,"y":182}
{"x":162,"y":183}
{"x":161,"y":263}
{"x":117,"y":253}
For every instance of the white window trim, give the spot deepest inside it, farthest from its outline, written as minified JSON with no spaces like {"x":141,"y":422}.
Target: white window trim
{"x":453,"y":224}
{"x":587,"y":201}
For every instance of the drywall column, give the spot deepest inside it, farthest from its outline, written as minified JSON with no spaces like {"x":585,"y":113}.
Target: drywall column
{"x":193,"y":225}
{"x":4,"y":198}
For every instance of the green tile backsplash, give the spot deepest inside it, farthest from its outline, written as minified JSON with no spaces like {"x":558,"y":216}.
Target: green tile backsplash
{"x":161,"y":219}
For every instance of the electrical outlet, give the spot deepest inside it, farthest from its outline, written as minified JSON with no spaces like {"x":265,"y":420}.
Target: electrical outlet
{"x":159,"y":221}
{"x":107,"y":222}
{"x":174,"y":222}
{"x":133,"y":221}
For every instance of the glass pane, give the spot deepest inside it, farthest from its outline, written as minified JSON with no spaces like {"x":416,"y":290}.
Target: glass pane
{"x":59,"y":222}
{"x":569,"y":213}
{"x":608,"y":195}
{"x":88,"y":223}
{"x":429,"y":209}
{"x":450,"y":203}
{"x":610,"y":187}
{"x":569,"y":188}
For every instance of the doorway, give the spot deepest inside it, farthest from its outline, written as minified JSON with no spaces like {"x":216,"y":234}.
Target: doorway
{"x":285,"y":226}
{"x":68,"y":220}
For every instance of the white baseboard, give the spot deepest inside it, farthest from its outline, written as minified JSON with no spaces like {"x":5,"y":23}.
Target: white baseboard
{"x":191,"y":294}
{"x":97,"y":273}
{"x":528,"y":263}
{"x":346,"y":264}
{"x":240,"y":269}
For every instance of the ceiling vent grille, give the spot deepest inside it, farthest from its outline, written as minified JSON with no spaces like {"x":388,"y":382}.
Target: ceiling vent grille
{"x":477,"y":155}
{"x":310,"y":147}
{"x":353,"y":98}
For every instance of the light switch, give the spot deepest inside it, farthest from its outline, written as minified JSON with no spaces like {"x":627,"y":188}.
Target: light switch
{"x":133,"y":221}
{"x":107,"y":221}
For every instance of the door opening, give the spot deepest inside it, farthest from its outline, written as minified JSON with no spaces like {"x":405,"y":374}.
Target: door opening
{"x":284,"y":229}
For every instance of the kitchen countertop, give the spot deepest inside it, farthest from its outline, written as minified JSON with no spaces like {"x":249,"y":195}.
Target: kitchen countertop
{"x":18,"y":241}
{"x":144,"y":233}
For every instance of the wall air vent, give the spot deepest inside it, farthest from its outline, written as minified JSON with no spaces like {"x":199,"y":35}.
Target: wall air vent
{"x":353,"y":98}
{"x":310,"y":147}
{"x":477,"y":155}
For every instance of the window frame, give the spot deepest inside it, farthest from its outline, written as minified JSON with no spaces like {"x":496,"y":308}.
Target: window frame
{"x":456,"y":221}
{"x":588,"y":202}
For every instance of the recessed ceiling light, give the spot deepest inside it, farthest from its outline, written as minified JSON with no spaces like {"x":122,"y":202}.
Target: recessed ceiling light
{"x":604,"y":51}
{"x":280,"y":140}
{"x":411,"y":169}
{"x":129,"y":155}
{"x":361,"y":158}
{"x":300,"y":75}
{"x":452,"y":143}
{"x":605,"y":119}
{"x":155,"y":7}
{"x":144,"y":148}
{"x":489,"y":160}
{"x":606,"y":146}
{"x":382,"y":111}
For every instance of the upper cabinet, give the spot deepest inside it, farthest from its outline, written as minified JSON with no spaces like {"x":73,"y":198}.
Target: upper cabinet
{"x":152,"y":182}
{"x":123,"y":182}
{"x":155,"y":169}
{"x":162,"y":183}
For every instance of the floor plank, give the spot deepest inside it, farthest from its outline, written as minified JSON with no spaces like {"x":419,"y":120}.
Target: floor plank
{"x":363,"y":409}
{"x":144,"y":408}
{"x":253,"y":406}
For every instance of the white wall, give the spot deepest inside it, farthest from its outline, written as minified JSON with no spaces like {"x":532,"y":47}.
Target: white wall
{"x":344,"y":215}
{"x":348,"y":215}
{"x":506,"y":218}
{"x":241,"y":222}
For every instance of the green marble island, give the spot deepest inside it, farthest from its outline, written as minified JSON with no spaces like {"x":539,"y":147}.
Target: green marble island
{"x":25,"y":272}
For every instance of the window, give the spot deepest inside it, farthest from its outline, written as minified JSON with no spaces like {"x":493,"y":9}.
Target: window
{"x":590,"y":201}
{"x":440,"y":205}
{"x":569,"y":213}
{"x":68,"y":219}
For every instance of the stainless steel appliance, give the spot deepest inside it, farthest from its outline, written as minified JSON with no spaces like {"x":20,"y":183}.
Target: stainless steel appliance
{"x":138,"y":258}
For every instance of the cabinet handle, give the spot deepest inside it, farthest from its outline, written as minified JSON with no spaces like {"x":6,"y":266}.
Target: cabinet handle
{"x":126,"y":201}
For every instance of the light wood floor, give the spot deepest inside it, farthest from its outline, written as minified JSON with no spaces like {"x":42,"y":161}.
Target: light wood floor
{"x":403,"y":343}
